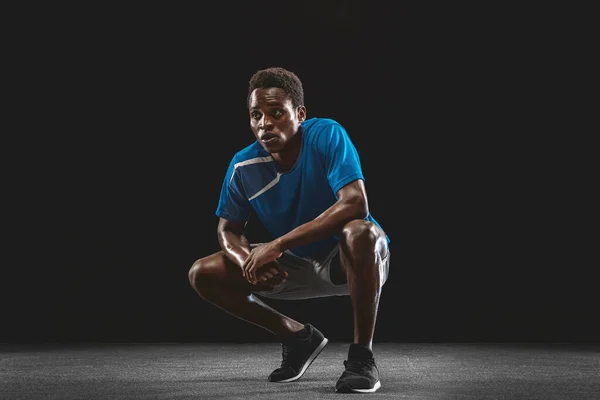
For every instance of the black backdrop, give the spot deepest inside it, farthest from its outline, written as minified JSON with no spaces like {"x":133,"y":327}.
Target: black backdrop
{"x":131,"y":117}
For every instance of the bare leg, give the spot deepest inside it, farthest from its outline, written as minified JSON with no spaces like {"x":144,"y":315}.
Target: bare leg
{"x":217,"y":280}
{"x":363,"y":246}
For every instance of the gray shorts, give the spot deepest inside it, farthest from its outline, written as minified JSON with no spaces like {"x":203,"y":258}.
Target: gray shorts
{"x":309,"y":278}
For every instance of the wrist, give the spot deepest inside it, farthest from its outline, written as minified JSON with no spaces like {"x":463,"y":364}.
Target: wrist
{"x":280,"y":244}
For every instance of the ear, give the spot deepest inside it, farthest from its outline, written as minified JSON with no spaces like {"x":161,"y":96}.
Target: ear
{"x":301,"y":113}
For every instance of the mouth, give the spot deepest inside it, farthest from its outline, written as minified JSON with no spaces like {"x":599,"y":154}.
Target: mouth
{"x":268,"y":138}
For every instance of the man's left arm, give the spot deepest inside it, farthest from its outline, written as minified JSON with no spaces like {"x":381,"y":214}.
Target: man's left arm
{"x":352,"y":204}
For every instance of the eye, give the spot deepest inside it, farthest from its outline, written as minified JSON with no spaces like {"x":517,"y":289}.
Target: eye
{"x":277,"y":112}
{"x":255,"y":114}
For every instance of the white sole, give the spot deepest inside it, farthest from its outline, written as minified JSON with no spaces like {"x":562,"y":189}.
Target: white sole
{"x":375,"y":387}
{"x":308,"y":362}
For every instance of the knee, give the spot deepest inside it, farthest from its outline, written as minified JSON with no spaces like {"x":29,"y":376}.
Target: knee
{"x":206,"y":272}
{"x":363,"y":246}
{"x":359,"y":235}
{"x":196,"y":272}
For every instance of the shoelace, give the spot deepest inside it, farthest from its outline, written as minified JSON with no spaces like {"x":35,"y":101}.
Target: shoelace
{"x":285,"y":354}
{"x":359,"y":366}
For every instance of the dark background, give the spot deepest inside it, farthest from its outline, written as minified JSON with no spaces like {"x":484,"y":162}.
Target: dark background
{"x":128,"y":118}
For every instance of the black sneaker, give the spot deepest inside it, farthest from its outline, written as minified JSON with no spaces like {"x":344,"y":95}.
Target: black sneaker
{"x":361,"y":374}
{"x":298,"y":354}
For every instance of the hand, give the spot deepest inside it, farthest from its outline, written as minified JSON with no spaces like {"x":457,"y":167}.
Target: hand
{"x":259,"y":256}
{"x":271,"y":274}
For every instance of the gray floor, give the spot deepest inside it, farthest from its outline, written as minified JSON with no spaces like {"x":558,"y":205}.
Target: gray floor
{"x":239,"y":371}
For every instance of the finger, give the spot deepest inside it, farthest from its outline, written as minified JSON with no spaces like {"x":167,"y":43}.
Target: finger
{"x":263,"y":273}
{"x":245,"y":267}
{"x":252,"y":275}
{"x":277,"y":280}
{"x":268,"y":274}
{"x":273,"y":281}
{"x":249,"y":277}
{"x":282,"y":272}
{"x":248,"y":268}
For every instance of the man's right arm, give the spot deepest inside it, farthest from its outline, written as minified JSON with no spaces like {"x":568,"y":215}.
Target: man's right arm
{"x":232,"y":240}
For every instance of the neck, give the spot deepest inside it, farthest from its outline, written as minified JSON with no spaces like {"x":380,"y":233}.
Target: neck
{"x":287,"y":158}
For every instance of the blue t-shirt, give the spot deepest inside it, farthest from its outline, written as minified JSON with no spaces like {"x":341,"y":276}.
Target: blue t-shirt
{"x":327,"y":161}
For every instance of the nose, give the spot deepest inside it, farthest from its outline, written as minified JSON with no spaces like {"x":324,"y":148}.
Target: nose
{"x":266,"y":123}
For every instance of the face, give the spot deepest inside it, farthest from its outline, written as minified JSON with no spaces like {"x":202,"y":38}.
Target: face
{"x":273,"y":119}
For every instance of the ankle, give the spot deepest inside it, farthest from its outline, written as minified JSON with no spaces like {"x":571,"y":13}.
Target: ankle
{"x":301,"y":334}
{"x":360,"y":351}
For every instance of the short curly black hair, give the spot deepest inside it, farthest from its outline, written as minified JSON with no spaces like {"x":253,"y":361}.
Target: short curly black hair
{"x":281,"y":78}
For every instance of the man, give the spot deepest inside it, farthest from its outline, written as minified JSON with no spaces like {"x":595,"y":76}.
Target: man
{"x":303,"y":179}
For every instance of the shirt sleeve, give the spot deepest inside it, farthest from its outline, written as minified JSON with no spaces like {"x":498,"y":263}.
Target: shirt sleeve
{"x":233,"y":203}
{"x":342,"y":162}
